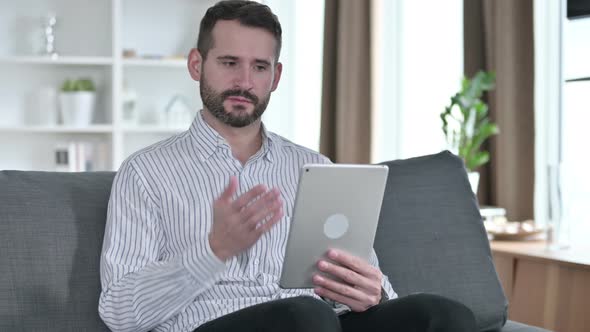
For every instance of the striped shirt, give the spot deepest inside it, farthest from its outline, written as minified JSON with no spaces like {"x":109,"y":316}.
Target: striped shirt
{"x":158,"y":271}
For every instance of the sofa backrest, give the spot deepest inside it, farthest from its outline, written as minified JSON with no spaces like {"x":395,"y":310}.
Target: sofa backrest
{"x":51,"y":232}
{"x":431,"y":237}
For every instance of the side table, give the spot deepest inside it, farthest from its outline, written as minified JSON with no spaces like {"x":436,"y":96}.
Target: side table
{"x":550,"y":289}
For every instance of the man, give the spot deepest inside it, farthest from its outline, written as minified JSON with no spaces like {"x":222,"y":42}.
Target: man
{"x":197,"y":224}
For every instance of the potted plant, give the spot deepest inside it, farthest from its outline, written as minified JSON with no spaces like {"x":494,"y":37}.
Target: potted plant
{"x":77,"y":100}
{"x":466,"y":123}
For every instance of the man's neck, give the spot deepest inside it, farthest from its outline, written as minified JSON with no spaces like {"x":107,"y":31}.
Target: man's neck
{"x":244,"y":142}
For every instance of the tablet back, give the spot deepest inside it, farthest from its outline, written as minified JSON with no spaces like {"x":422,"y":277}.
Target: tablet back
{"x":337,"y":206}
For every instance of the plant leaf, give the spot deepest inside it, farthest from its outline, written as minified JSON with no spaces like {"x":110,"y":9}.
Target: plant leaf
{"x":477,"y":160}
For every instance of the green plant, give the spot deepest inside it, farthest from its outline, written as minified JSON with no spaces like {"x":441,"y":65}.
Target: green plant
{"x":82,"y":84}
{"x":466,"y":122}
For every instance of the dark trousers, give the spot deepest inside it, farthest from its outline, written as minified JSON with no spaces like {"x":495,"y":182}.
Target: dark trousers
{"x":414,"y":313}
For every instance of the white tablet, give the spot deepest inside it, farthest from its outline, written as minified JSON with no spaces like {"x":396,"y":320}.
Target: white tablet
{"x":337,"y":206}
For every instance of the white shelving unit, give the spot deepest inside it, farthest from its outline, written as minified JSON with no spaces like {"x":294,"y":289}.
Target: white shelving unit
{"x":105,"y":129}
{"x":64,"y":60}
{"x":91,"y":37}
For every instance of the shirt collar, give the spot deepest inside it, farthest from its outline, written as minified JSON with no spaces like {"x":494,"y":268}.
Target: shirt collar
{"x":209,"y":141}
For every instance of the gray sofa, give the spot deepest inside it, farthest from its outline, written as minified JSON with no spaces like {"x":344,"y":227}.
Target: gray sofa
{"x":430,"y":239}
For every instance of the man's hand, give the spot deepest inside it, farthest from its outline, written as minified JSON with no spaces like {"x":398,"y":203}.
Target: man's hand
{"x":239,"y":223}
{"x":360,"y":288}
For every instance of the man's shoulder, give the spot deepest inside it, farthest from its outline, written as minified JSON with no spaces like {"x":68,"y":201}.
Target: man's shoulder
{"x":155,"y":153}
{"x":290,"y":147}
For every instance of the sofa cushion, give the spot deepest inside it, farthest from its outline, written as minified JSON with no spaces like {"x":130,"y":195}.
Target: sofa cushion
{"x":51,"y":231}
{"x":431,"y":237}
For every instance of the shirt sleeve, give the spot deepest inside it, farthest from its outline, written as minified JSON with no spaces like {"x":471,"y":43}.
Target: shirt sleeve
{"x":385,"y":284}
{"x":140,"y":290}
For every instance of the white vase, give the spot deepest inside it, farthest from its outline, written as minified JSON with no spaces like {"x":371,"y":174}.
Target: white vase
{"x":473,"y":180}
{"x":46,"y":107}
{"x":77,"y":108}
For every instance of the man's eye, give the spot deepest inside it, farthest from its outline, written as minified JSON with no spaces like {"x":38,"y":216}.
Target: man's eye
{"x":229,"y":63}
{"x":260,"y":68}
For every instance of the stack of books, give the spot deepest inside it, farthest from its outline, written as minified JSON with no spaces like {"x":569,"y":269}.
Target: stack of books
{"x":81,"y":156}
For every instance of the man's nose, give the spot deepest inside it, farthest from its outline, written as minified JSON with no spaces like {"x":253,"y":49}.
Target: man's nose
{"x":243,"y":79}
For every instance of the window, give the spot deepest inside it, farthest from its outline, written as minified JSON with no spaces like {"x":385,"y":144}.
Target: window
{"x":575,"y":118}
{"x":419,"y":62}
{"x":562,"y":113}
{"x":295,"y":107}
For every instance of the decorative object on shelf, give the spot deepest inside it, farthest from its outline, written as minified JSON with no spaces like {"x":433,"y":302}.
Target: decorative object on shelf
{"x":77,"y":101}
{"x":176,"y":57}
{"x":152,"y":56}
{"x":499,"y":228}
{"x":45,"y":107}
{"x":129,"y":53}
{"x":466,"y":123}
{"x":49,"y":22}
{"x":490,"y":213}
{"x":513,"y":230}
{"x":129,"y":109}
{"x":178,"y":112}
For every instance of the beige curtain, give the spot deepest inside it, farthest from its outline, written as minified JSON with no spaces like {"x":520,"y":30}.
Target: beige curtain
{"x":499,"y":37}
{"x":346,"y":92}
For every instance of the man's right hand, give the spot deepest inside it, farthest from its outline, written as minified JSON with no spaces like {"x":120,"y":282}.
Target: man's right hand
{"x":239,"y":223}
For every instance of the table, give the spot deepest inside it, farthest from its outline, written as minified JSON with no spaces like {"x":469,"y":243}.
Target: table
{"x":549,"y":289}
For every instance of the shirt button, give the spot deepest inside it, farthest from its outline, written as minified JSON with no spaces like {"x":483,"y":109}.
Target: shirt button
{"x":256,"y":261}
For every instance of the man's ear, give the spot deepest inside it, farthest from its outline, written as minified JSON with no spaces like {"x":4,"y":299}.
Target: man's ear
{"x":277,"y":78}
{"x":194,"y":63}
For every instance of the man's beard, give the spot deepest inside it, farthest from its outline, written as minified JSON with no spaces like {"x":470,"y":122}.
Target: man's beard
{"x":237,"y":117}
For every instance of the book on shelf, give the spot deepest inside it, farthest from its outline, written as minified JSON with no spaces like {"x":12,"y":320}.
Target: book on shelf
{"x":81,"y":156}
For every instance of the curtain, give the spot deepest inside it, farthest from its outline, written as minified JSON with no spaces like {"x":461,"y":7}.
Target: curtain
{"x":346,"y":90}
{"x":498,"y":36}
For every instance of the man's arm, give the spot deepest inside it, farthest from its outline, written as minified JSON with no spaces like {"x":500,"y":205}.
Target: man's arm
{"x":140,"y":291}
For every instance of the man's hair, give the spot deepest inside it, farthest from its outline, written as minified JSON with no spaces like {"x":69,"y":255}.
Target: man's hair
{"x":248,"y":13}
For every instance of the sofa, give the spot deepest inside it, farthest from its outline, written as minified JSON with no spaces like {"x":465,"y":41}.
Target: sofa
{"x":430,"y":239}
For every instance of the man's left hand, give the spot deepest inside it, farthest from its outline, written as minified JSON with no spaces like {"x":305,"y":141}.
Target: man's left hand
{"x":360,"y":285}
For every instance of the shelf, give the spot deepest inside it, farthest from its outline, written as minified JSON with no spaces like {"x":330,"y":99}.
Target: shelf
{"x":154,"y":129}
{"x":169,"y":63}
{"x":578,"y":79}
{"x":62,"y":60}
{"x":92,"y":38}
{"x":93,"y":129}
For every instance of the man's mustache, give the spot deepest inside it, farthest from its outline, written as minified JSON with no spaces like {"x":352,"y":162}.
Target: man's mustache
{"x":240,"y":93}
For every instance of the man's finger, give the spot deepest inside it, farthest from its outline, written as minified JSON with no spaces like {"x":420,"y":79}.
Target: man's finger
{"x":230,"y":190}
{"x":264,"y":213}
{"x":353,"y":304}
{"x":345,"y":291}
{"x":349,"y":276}
{"x":249,"y":196}
{"x":263,"y":216}
{"x":354,"y":263}
{"x":265,"y":227}
{"x":263,"y":202}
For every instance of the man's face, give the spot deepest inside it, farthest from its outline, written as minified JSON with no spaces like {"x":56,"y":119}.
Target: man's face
{"x":239,"y":74}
